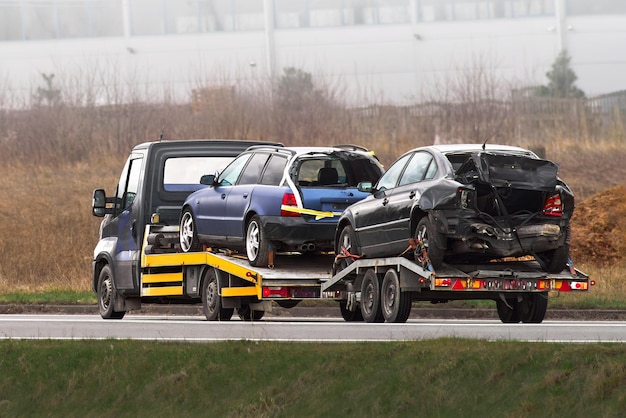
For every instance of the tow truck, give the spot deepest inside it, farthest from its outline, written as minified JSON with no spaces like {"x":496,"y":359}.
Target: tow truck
{"x":138,"y":259}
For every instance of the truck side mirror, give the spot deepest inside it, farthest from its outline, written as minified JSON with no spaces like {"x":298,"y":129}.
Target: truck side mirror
{"x":98,"y":204}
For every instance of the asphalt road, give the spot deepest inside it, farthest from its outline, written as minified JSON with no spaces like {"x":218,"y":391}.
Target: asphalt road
{"x":311,"y":329}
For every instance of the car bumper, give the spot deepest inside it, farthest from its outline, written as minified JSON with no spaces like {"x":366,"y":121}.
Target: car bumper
{"x":292,"y":232}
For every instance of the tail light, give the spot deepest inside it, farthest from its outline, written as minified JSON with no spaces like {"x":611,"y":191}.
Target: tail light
{"x":553,"y":206}
{"x":465,"y":198}
{"x":289,"y":199}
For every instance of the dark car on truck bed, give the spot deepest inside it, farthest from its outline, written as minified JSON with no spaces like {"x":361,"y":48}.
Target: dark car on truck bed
{"x":462,"y":204}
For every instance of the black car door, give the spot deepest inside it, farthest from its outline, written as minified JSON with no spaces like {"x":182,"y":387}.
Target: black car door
{"x":402,"y":198}
{"x":370,"y":215}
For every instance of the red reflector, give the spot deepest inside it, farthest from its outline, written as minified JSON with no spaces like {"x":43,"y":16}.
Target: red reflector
{"x":565,"y":287}
{"x":553,"y":206}
{"x":289,"y":199}
{"x":276,"y":292}
{"x":458,"y":285}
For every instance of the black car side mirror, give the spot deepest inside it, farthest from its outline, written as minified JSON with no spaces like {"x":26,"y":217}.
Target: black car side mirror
{"x":99,"y":205}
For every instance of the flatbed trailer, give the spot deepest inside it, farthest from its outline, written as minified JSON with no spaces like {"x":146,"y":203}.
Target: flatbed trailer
{"x":373,"y":290}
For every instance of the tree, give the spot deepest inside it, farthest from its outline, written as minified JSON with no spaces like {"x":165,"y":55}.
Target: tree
{"x":561,"y":79}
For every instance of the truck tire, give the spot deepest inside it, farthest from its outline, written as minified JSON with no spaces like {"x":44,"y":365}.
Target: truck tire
{"x":247,"y":314}
{"x":257,"y":247}
{"x":395,"y":304}
{"x":350,"y":316}
{"x":107,"y":294}
{"x":533,"y":307}
{"x":508,"y":314}
{"x":347,"y":241}
{"x":426,"y":232}
{"x":370,"y":298}
{"x":189,"y":241}
{"x":212,"y":300}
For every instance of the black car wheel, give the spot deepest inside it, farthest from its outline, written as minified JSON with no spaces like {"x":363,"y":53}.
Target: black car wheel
{"x":257,"y":247}
{"x":107,"y":295}
{"x":555,"y":261}
{"x":370,"y":298}
{"x":395,"y":304}
{"x":188,"y":235}
{"x":211,"y":299}
{"x":426,"y":233}
{"x":346,"y":248}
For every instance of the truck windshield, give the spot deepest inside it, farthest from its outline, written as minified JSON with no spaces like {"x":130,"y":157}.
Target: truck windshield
{"x":182,"y":174}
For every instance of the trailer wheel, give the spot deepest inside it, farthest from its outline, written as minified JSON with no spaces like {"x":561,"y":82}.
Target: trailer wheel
{"x":350,"y":316}
{"x":247,"y":314}
{"x":257,"y":247}
{"x":426,"y":233}
{"x":395,"y":304}
{"x":211,"y":299}
{"x":370,"y":298}
{"x":347,"y":243}
{"x":107,"y":295}
{"x":189,"y":241}
{"x":532,"y":308}
{"x":508,"y":314}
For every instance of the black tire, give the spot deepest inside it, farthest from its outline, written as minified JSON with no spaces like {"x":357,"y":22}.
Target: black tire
{"x":426,"y":232}
{"x":395,"y":304}
{"x":212,"y":300}
{"x":533,"y":307}
{"x":107,"y":294}
{"x":370,"y":298}
{"x":288,"y":303}
{"x":350,"y":316}
{"x":188,"y":235}
{"x":508,"y":314}
{"x":555,"y":261}
{"x":247,"y":314}
{"x":257,"y":247}
{"x":347,"y":241}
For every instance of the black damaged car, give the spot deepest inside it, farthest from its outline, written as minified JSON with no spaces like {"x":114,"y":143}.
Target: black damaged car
{"x":462,"y":204}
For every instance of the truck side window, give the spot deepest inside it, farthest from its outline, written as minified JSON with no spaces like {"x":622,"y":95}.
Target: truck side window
{"x":128,"y":185}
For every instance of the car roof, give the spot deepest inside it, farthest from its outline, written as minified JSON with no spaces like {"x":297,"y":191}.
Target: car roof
{"x":299,"y":150}
{"x":452,"y":148}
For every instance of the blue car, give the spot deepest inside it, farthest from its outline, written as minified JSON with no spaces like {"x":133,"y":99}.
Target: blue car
{"x":286,"y":199}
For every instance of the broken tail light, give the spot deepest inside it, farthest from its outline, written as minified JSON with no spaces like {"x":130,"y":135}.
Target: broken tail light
{"x":553,"y":206}
{"x":289,"y":199}
{"x":465,"y":198}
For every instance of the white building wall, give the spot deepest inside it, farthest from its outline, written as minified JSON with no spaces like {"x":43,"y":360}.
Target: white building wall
{"x":384,"y":63}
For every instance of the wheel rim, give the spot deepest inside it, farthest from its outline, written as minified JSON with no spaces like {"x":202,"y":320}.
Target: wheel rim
{"x":211,"y":295}
{"x":368,"y":302}
{"x":106,"y":293}
{"x":389,"y":301}
{"x":186,"y":231}
{"x":422,"y":235}
{"x":253,"y":241}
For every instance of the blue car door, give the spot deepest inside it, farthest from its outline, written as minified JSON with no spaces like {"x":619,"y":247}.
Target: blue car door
{"x":211,"y":202}
{"x":238,"y":200}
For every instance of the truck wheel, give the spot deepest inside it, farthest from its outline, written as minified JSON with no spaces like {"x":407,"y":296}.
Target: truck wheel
{"x":247,"y":314}
{"x":555,"y":261}
{"x":395,"y":304}
{"x":370,"y":298}
{"x":257,"y":247}
{"x":188,"y":235}
{"x":508,"y":314}
{"x":347,"y":242}
{"x":350,"y":316}
{"x":426,"y":232}
{"x":211,"y":299}
{"x":532,"y":308}
{"x":107,"y":295}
